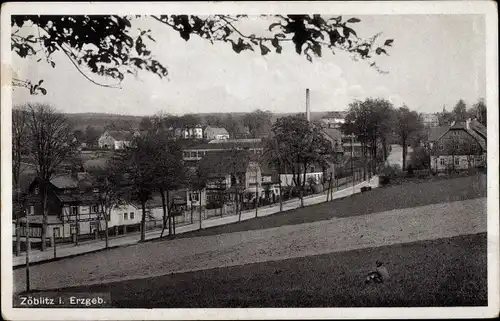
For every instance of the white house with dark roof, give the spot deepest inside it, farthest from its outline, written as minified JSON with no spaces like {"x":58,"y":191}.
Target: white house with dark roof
{"x":459,"y":146}
{"x":334,"y":119}
{"x":115,"y":139}
{"x":217,"y":133}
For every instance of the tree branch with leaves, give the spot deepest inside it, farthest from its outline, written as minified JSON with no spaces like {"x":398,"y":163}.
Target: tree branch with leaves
{"x":109,"y":47}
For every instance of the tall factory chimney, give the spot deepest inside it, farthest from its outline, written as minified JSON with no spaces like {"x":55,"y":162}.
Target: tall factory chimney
{"x":308,"y":107}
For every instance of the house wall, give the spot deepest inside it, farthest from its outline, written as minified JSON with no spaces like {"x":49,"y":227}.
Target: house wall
{"x":221,"y":136}
{"x":193,"y":133}
{"x":106,"y":141}
{"x":85,"y":218}
{"x":287,"y":179}
{"x":121,"y":144}
{"x":458,"y":162}
{"x":456,"y":142}
{"x":117,"y":217}
{"x":199,"y":199}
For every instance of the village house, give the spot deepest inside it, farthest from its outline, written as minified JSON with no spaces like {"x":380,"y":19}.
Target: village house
{"x":228,"y":176}
{"x":195,"y":132}
{"x":462,"y":145}
{"x":216,"y":133}
{"x":116,"y":139}
{"x":334,"y":119}
{"x":430,"y":119}
{"x":197,"y":152}
{"x":73,"y":210}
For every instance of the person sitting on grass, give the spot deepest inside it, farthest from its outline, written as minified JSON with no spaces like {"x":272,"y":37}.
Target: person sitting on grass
{"x":379,"y":275}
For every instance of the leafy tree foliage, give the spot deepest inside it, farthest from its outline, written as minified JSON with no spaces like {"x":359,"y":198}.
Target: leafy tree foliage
{"x":258,"y":123}
{"x":408,"y":124}
{"x":91,"y":135}
{"x":146,"y":124}
{"x":297,"y":146}
{"x":371,"y":121}
{"x":109,"y":46}
{"x":460,"y":111}
{"x":479,"y":112}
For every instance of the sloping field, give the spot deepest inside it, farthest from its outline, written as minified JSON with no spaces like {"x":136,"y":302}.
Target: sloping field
{"x":290,"y":241}
{"x":442,"y":272}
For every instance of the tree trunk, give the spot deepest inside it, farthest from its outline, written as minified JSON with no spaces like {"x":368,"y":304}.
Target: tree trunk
{"x":281,"y":196}
{"x":384,"y":149}
{"x":143,"y":222}
{"x":191,"y":209}
{"x":106,"y":233}
{"x":44,"y":218}
{"x":18,"y":236}
{"x":404,"y":154}
{"x":169,"y":217}
{"x":238,"y":205}
{"x":200,"y":210}
{"x":329,"y":187}
{"x":164,"y":208}
{"x":256,"y":200}
{"x":363,"y":153}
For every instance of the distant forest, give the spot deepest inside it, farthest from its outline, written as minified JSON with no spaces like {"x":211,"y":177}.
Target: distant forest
{"x":103,"y":121}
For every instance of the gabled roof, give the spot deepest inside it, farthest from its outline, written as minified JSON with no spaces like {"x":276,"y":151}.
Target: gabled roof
{"x":478,"y":127}
{"x":217,"y":130}
{"x":228,"y":145}
{"x":335,"y":114}
{"x":224,"y":163}
{"x":434,"y":133}
{"x":121,"y":134}
{"x":469,"y":129}
{"x":65,"y":181}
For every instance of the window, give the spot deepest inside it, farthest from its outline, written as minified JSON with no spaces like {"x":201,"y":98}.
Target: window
{"x":125,"y":216}
{"x":95,"y":190}
{"x":193,"y":154}
{"x":442,"y":161}
{"x":131,"y":215}
{"x":74,"y":210}
{"x":73,"y":229}
{"x":94,"y":209}
{"x":31,"y":210}
{"x":193,"y":197}
{"x":457,"y":161}
{"x":37,"y":190}
{"x":185,"y":154}
{"x":56,"y":232}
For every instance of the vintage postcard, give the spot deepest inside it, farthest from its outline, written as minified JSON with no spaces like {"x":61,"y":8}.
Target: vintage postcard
{"x":240,"y":160}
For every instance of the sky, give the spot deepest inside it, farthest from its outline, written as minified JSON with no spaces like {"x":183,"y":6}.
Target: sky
{"x":435,"y":61}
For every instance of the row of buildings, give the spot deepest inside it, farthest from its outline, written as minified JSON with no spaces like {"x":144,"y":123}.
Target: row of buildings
{"x":119,"y":139}
{"x":74,"y":209}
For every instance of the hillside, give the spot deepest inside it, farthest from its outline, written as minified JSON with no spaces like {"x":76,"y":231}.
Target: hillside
{"x":101,"y":120}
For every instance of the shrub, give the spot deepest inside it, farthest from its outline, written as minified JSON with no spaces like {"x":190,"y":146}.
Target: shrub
{"x":384,"y":180}
{"x":392,"y":171}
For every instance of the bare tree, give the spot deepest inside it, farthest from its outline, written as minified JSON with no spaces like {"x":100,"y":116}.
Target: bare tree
{"x":109,"y":193}
{"x":19,"y":151}
{"x":51,"y":143}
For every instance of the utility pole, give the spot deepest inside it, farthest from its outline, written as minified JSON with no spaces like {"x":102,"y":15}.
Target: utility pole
{"x":28,"y":245}
{"x":54,"y":241}
{"x":352,"y":166}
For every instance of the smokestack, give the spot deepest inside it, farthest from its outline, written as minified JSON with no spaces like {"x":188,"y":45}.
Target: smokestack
{"x":308,"y":108}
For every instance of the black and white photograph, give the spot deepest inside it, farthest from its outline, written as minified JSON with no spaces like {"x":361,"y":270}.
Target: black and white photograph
{"x":211,"y":160}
